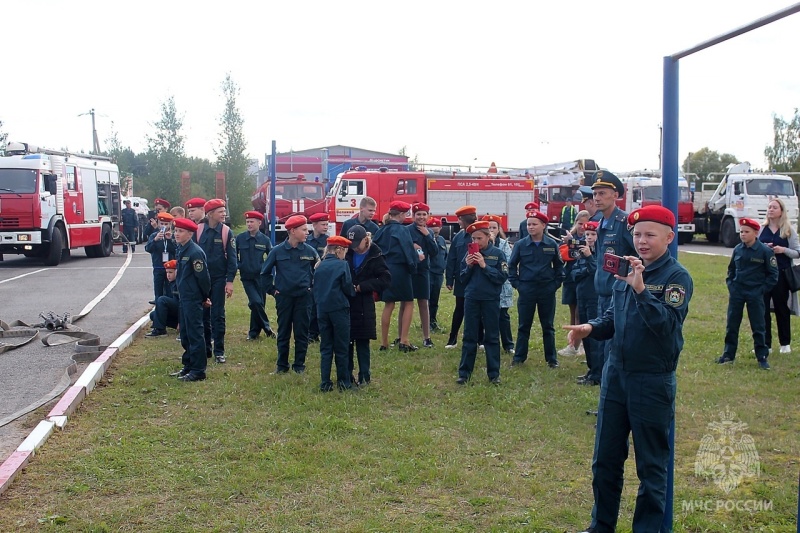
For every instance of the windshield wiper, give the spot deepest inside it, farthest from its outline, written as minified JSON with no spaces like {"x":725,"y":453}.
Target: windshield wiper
{"x":9,"y":190}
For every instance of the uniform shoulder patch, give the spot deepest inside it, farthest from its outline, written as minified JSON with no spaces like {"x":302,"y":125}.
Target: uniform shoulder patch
{"x":675,"y":294}
{"x":198,"y":265}
{"x":773,"y":261}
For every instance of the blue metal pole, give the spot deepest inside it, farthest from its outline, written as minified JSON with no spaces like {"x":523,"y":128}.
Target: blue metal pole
{"x":669,"y":185}
{"x":272,"y":180}
{"x":798,"y":506}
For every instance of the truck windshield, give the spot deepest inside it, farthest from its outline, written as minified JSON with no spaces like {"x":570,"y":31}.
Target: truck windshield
{"x":770,"y":187}
{"x":653,"y":194}
{"x":17,"y":180}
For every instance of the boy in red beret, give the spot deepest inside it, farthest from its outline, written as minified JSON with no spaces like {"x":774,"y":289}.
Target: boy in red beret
{"x":317,"y":239}
{"x":167,"y":311}
{"x":161,"y":247}
{"x":252,"y":249}
{"x":752,"y":272}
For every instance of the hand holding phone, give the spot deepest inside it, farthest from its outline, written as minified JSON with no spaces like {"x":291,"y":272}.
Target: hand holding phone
{"x":473,"y":248}
{"x":616,"y":265}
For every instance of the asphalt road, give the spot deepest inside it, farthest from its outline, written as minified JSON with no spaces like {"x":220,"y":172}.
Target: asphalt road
{"x":32,"y":373}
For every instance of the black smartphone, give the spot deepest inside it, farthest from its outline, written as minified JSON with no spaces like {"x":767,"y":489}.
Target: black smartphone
{"x":616,"y":264}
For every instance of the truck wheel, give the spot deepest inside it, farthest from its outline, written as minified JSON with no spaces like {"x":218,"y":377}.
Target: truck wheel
{"x":685,"y":237}
{"x":106,"y":245}
{"x":712,"y":237}
{"x":729,"y":237}
{"x":53,"y":257}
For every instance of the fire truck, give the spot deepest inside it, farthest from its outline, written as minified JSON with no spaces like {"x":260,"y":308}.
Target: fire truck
{"x":557,"y":182}
{"x":53,"y":201}
{"x":643,"y":187}
{"x":293,"y":196}
{"x":444,"y":192}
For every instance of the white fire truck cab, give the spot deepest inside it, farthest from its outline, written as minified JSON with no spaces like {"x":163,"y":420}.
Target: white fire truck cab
{"x":54,"y":201}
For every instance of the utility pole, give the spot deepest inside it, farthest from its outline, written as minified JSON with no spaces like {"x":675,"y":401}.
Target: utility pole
{"x":95,"y":142}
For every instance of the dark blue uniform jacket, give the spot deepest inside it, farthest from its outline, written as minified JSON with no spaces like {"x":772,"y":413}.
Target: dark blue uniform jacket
{"x":427,"y":244}
{"x":753,"y":270}
{"x":251,"y":253}
{"x":439,"y":260}
{"x":156,"y":249}
{"x":221,"y":257}
{"x":614,"y":238}
{"x":294,"y":269}
{"x":536,"y":266}
{"x":485,"y":283}
{"x":456,"y":255}
{"x":333,"y":286}
{"x":193,"y":280}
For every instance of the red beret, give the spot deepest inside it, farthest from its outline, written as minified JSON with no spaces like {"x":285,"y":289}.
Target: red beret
{"x":421,"y":206}
{"x":477,"y":226}
{"x":295,"y":221}
{"x":166,"y":217}
{"x":652,"y":213}
{"x":338,"y":240}
{"x":532,"y":206}
{"x":171,"y":264}
{"x":162,"y":202}
{"x":434,"y":223}
{"x":591,"y":226}
{"x":212,"y":204}
{"x":492,"y":218}
{"x":318,"y":217}
{"x":196,"y":202}
{"x":750,"y":223}
{"x":185,"y":223}
{"x":537,"y":214}
{"x":253,"y":214}
{"x":399,"y":205}
{"x":466,"y":210}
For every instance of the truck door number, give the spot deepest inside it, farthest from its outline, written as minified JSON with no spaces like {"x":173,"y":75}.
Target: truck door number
{"x":352,"y":202}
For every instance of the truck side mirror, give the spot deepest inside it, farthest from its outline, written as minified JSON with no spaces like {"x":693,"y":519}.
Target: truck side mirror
{"x":51,"y":184}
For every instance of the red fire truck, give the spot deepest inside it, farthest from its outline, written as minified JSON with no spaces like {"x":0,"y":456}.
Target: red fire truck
{"x":496,"y":194}
{"x":557,"y":182}
{"x":54,"y":201}
{"x":643,"y":187}
{"x":293,"y":196}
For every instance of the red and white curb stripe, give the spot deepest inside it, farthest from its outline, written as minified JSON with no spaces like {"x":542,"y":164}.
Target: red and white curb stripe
{"x":66,"y":406}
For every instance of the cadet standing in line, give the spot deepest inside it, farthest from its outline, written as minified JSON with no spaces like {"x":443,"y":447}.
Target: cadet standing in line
{"x":438,"y":263}
{"x":370,"y":275}
{"x":252,"y":248}
{"x":523,"y":226}
{"x":483,"y":274}
{"x":536,"y":271}
{"x":195,"y":210}
{"x":425,"y":247}
{"x":645,"y":326}
{"x":167,"y":311}
{"x":398,"y":251}
{"x":159,"y":206}
{"x":317,"y":239}
{"x":293,"y":263}
{"x":130,"y":225}
{"x":752,"y":272}
{"x":458,"y":251}
{"x":217,"y":241}
{"x":583,"y":274}
{"x":161,"y":247}
{"x":613,"y":237}
{"x":333,"y":289}
{"x":194,"y":287}
{"x":366,"y":212}
{"x":507,"y":292}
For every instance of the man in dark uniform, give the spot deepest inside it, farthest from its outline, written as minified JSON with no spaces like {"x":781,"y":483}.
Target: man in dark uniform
{"x":536,"y":270}
{"x":217,"y":241}
{"x":613,"y":237}
{"x":645,"y":326}
{"x":252,"y":248}
{"x":130,"y":223}
{"x":458,"y":250}
{"x":438,"y":263}
{"x":194,"y":286}
{"x":293,"y":262}
{"x":752,"y":272}
{"x":167,"y":311}
{"x":483,"y":274}
{"x":426,"y":249}
{"x":317,"y":239}
{"x":366,"y":212}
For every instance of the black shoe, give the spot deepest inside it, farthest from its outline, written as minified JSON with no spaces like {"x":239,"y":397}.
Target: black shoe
{"x":180,"y":373}
{"x":326,"y":387}
{"x":395,"y":342}
{"x":589,"y":382}
{"x":552,"y":364}
{"x":495,"y":381}
{"x":589,"y":530}
{"x":763,"y":364}
{"x":220,"y":359}
{"x":383,"y":348}
{"x":152,"y":302}
{"x":363,"y":382}
{"x":427,"y":343}
{"x":724,"y":360}
{"x":516,"y":362}
{"x":299,"y":370}
{"x":270,"y":334}
{"x":408,"y":348}
{"x":249,"y":338}
{"x":156,"y":333}
{"x":461,"y":381}
{"x":209,"y":353}
{"x":192,"y":377}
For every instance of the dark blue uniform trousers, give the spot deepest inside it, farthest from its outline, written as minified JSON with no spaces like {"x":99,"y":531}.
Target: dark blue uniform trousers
{"x":587,"y":310}
{"x":433,"y":301}
{"x":130,"y":237}
{"x":475,"y":311}
{"x":334,"y":332}
{"x":191,"y":320}
{"x":313,"y":322}
{"x":603,"y":303}
{"x":256,"y":299}
{"x":643,"y":405}
{"x":160,"y":283}
{"x":362,"y":349}
{"x":166,"y":313}
{"x":506,"y":337}
{"x":293,"y":313}
{"x":527,"y":303}
{"x":755,"y":312}
{"x":214,"y":318}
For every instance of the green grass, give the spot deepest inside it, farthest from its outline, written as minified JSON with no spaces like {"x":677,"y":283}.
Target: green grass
{"x":250,"y":451}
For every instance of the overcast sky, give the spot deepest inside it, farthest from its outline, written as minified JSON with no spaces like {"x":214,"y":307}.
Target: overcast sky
{"x":457,"y":82}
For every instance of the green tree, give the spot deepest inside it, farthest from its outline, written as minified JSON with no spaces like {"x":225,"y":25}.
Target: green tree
{"x":166,"y":156}
{"x":232,"y":154}
{"x":784,"y":154}
{"x":412,"y":163}
{"x":704,"y":161}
